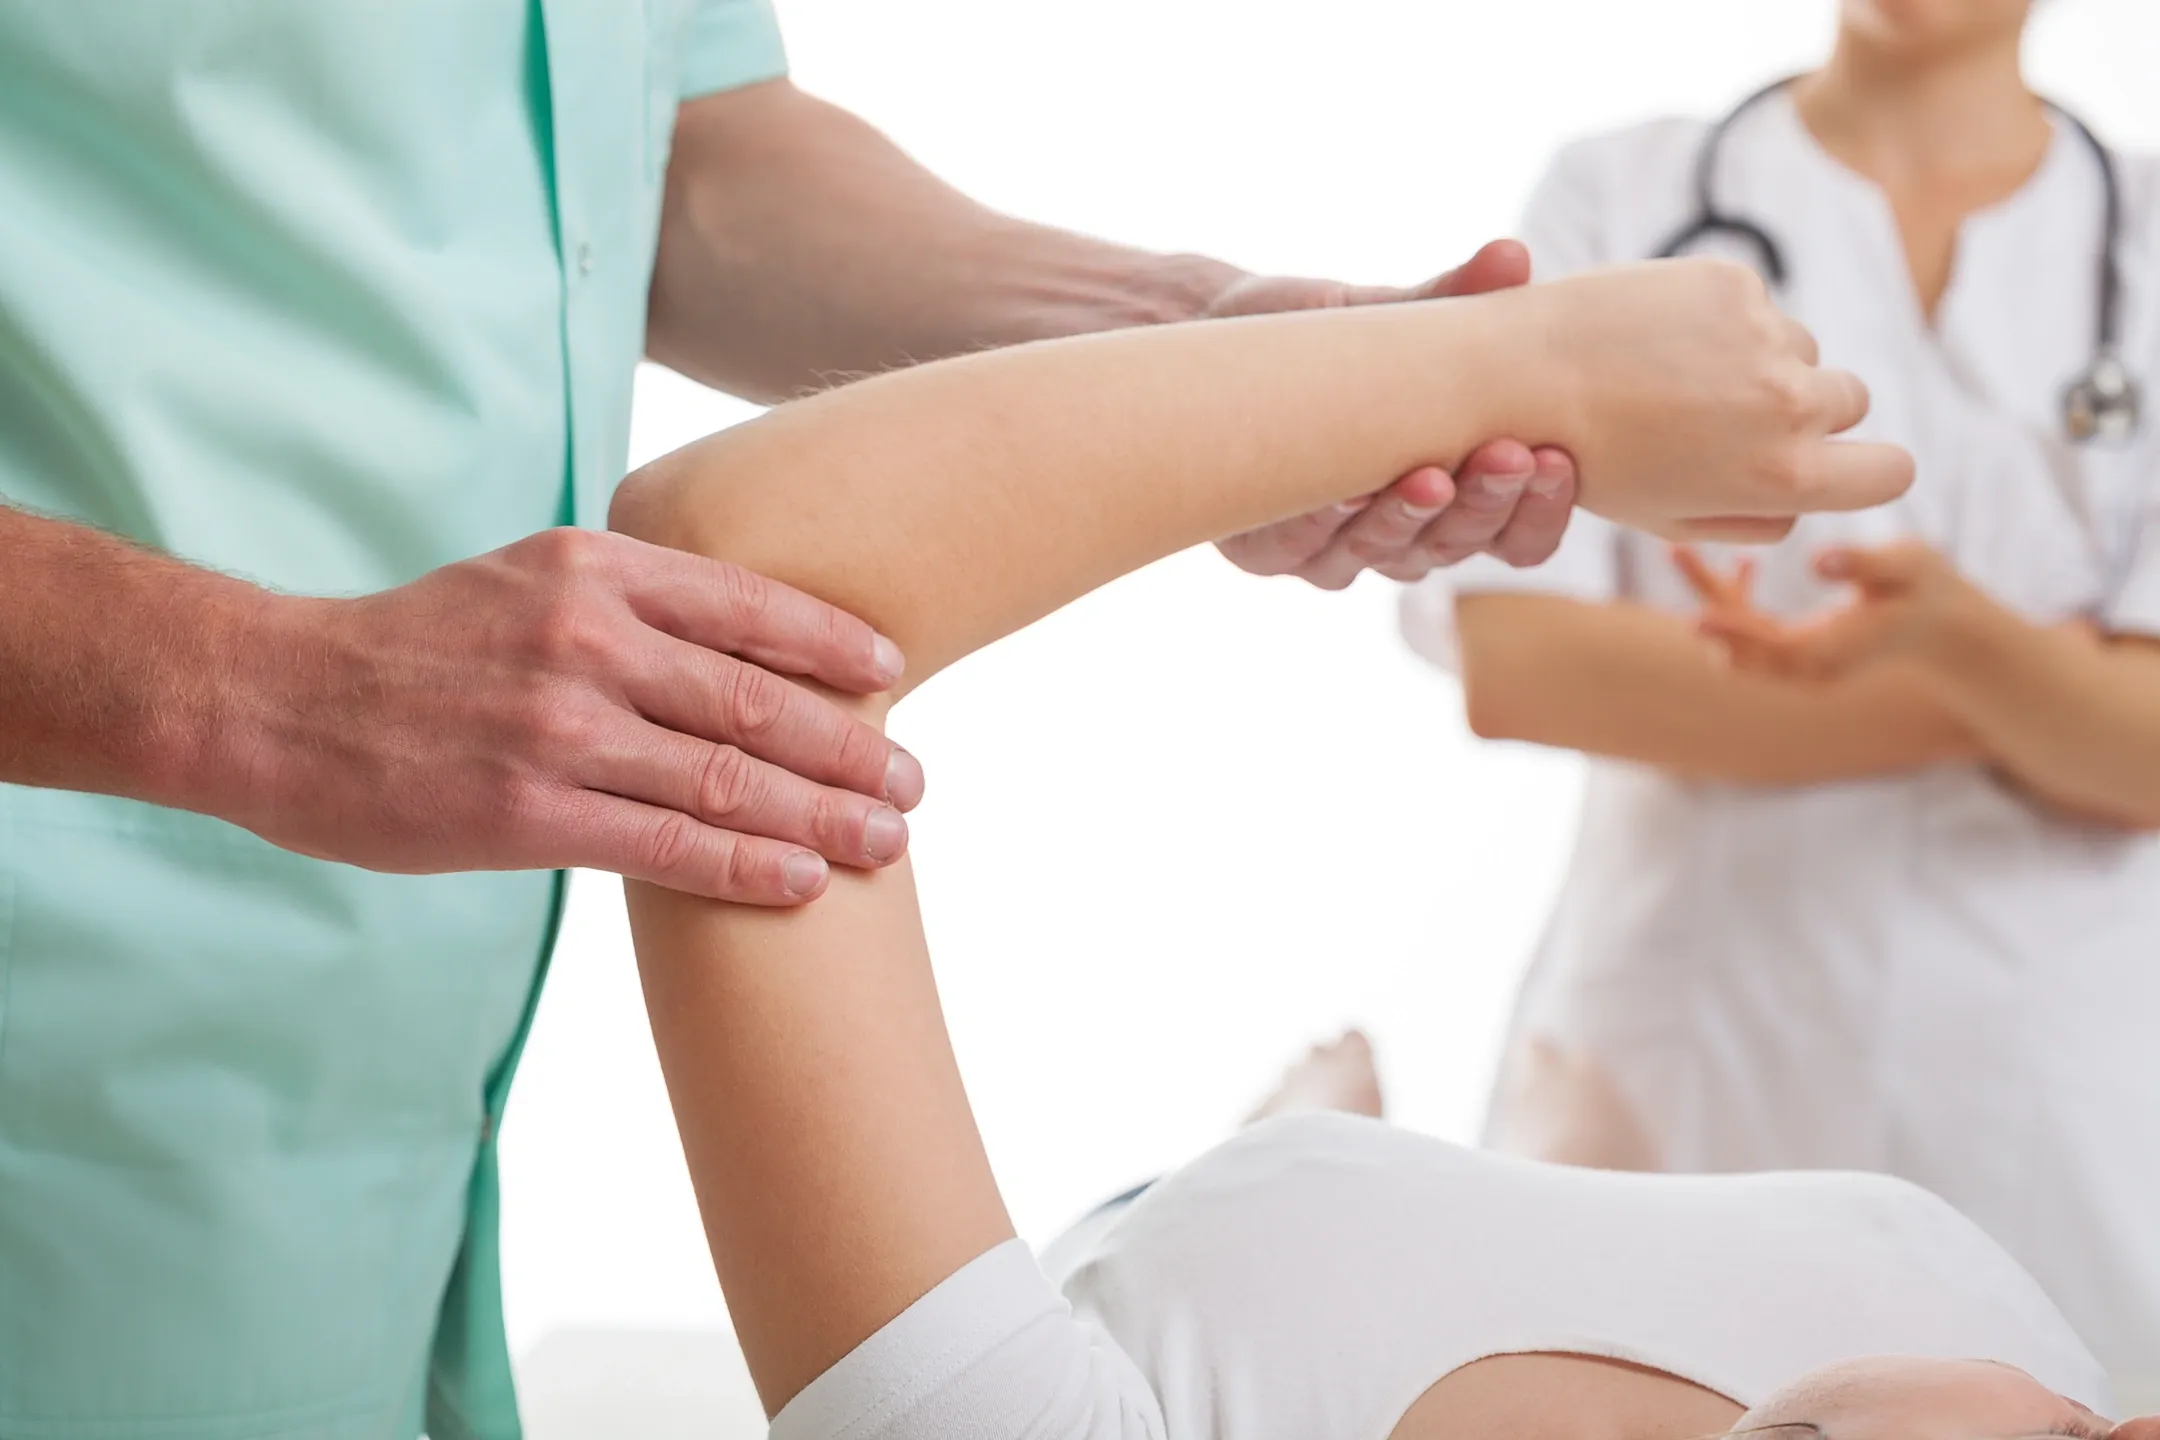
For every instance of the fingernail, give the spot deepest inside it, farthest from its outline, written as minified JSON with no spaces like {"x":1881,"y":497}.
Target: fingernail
{"x":1505,"y":487}
{"x":1353,"y":507}
{"x":888,"y":660}
{"x":884,"y":835}
{"x":803,"y":873}
{"x":904,"y":782}
{"x":1421,"y":513}
{"x":1549,"y":483}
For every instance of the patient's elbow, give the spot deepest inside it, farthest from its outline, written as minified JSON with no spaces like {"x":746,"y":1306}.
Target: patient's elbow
{"x":642,"y":506}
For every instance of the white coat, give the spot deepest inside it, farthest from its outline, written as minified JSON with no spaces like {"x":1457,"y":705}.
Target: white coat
{"x":1923,"y":975}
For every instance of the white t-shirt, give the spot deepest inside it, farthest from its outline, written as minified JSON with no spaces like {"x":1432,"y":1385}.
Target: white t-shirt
{"x":1315,"y":1276}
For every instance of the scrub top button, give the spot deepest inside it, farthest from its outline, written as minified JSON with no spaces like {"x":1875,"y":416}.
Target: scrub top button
{"x":584,"y":259}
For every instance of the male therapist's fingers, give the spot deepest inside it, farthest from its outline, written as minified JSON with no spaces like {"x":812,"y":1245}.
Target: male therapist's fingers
{"x":1489,"y":489}
{"x":668,"y":848}
{"x":718,"y":698}
{"x":1400,"y":514}
{"x":1498,"y":265}
{"x":1540,"y":522}
{"x":1281,"y":549}
{"x":1380,"y":535}
{"x":735,"y":611}
{"x":722,"y":787}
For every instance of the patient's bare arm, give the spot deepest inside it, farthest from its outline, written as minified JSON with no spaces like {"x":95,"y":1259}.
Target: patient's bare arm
{"x":837,"y":1165}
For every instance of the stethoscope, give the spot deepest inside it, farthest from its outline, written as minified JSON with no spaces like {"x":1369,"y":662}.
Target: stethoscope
{"x":2104,"y":404}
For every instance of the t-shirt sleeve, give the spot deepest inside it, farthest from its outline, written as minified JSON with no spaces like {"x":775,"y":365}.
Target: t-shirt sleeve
{"x":993,"y":1352}
{"x":729,"y":44}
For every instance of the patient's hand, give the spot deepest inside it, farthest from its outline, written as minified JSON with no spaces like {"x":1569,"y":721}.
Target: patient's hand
{"x":1507,"y":500}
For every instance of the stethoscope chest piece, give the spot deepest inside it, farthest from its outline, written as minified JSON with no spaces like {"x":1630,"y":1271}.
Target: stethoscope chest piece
{"x":2104,"y":404}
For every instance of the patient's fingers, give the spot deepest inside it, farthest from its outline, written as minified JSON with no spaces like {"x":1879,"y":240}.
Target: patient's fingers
{"x":1853,"y":475}
{"x":1733,"y":529}
{"x":1803,"y":341}
{"x":1841,"y":399}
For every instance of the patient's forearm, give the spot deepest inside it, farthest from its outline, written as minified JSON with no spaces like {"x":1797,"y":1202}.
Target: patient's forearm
{"x":952,"y":504}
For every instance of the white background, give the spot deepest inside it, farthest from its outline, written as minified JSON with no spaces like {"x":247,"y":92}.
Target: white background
{"x":1186,"y":826}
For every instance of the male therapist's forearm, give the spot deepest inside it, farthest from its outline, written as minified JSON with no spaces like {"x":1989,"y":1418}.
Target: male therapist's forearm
{"x":115,"y":662}
{"x":799,"y":246}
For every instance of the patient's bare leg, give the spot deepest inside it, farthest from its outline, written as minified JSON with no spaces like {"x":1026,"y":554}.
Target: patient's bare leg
{"x":1338,"y":1074}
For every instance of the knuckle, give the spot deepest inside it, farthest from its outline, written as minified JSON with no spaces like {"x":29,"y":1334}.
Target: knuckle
{"x":860,"y":756}
{"x":568,"y":550}
{"x":740,"y":870}
{"x":1785,"y":397}
{"x":562,"y":726}
{"x":753,"y":701}
{"x":835,"y":824}
{"x":745,"y":594}
{"x":726,"y":783}
{"x":671,"y":846}
{"x":567,"y":630}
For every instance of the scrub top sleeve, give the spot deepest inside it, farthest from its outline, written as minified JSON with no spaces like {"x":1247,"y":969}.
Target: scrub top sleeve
{"x":729,"y":44}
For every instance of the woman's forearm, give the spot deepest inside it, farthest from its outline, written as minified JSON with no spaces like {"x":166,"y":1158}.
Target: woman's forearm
{"x":2072,"y":717}
{"x":1633,"y":683}
{"x":951,"y":504}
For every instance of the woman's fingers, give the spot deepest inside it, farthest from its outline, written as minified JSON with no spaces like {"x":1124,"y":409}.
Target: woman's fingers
{"x":1802,"y":341}
{"x":1734,"y":529}
{"x":1708,"y":585}
{"x":1841,"y":399}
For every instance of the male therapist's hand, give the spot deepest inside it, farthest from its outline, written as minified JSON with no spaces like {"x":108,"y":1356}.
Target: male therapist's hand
{"x":1507,"y":499}
{"x":579,"y":699}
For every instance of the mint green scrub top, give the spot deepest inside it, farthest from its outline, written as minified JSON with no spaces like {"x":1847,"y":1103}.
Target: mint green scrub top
{"x":325,"y":293}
